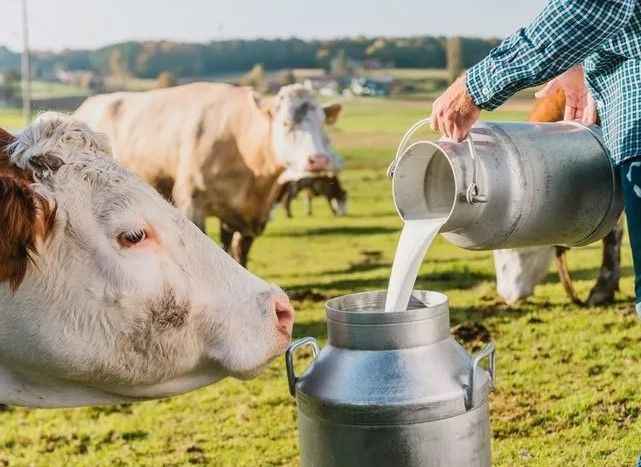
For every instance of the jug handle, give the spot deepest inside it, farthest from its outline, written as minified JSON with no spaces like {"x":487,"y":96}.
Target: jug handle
{"x":489,"y":351}
{"x":292,"y":379}
{"x":402,"y":146}
{"x":472,"y":194}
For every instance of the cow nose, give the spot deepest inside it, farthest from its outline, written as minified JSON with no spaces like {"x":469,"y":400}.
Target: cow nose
{"x":284,"y":312}
{"x":318,"y":163}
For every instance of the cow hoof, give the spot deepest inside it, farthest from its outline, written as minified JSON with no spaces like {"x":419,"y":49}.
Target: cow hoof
{"x":600,"y":297}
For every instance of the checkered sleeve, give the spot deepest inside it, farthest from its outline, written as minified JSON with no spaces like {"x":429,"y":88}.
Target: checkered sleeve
{"x":562,"y":35}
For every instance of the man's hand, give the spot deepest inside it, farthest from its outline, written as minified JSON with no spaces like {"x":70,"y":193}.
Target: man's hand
{"x":579,"y":104}
{"x":454,"y":113}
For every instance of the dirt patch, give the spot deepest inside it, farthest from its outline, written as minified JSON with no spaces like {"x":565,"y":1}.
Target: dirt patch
{"x":197,"y":455}
{"x":372,"y":255}
{"x":472,"y":334}
{"x":306,"y":294}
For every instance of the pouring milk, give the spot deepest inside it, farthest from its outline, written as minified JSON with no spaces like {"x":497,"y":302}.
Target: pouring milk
{"x":416,"y":237}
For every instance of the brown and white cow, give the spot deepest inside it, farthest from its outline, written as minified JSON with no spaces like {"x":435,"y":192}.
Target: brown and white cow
{"x":107,"y":292}
{"x":518,"y":271}
{"x":217,"y":149}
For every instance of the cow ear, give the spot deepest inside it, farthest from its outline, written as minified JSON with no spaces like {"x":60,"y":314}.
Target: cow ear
{"x":6,"y":139}
{"x":25,"y":217}
{"x":331,"y":113}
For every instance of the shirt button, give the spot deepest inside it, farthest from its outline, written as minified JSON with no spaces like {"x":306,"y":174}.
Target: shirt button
{"x":486,"y":92}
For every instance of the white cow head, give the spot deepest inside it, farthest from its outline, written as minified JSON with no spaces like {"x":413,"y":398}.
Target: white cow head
{"x":519,"y":271}
{"x":107,"y":292}
{"x":298,"y":136}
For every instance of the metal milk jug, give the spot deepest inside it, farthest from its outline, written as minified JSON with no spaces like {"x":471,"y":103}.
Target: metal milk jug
{"x":392,"y":389}
{"x":511,"y":185}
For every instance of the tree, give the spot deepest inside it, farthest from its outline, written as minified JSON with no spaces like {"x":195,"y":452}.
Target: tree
{"x":166,"y":80}
{"x":455,"y":65}
{"x":9,"y":85}
{"x":118,"y":68}
{"x":340,"y":64}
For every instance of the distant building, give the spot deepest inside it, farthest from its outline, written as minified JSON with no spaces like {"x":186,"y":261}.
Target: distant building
{"x":323,"y":85}
{"x":370,"y":87}
{"x":83,"y":78}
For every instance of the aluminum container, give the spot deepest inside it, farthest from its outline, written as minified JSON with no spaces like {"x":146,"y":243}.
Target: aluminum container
{"x":511,"y":185}
{"x":392,"y":389}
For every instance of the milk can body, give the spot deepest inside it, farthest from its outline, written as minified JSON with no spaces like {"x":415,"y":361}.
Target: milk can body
{"x":512,"y":185}
{"x":392,"y":389}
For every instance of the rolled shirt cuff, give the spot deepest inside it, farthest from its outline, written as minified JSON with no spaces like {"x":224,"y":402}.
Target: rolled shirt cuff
{"x":479,"y":81}
{"x":637,"y":307}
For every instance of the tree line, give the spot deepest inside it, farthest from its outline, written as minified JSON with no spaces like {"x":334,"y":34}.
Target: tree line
{"x":150,"y":58}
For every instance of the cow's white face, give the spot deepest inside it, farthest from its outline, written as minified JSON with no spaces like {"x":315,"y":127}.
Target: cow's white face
{"x":519,"y":271}
{"x":298,"y":135}
{"x":125,"y":295}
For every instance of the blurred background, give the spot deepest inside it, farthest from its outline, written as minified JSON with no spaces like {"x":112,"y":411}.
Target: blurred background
{"x":78,"y":48}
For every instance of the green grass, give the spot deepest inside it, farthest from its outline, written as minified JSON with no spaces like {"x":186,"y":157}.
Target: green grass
{"x":45,"y":89}
{"x":568,"y":378}
{"x":11,"y":118}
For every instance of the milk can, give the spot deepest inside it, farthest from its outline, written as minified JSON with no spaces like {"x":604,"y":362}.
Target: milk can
{"x":392,"y":389}
{"x":511,"y":185}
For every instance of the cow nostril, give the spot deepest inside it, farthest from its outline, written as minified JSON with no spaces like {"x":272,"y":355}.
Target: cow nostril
{"x":284,"y":313}
{"x":318,"y":162}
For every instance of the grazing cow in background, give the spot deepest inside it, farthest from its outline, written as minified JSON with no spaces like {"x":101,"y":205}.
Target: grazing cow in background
{"x":518,"y":271}
{"x":328,"y":186}
{"x":217,"y":149}
{"x":108,"y":293}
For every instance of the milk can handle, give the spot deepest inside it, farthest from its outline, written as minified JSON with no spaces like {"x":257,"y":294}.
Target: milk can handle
{"x":472,"y":194}
{"x":489,"y":351}
{"x":289,"y":359}
{"x":402,"y":146}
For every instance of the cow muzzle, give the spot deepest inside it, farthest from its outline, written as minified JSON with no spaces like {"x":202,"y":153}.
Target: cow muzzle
{"x":318,"y":163}
{"x":284,"y":318}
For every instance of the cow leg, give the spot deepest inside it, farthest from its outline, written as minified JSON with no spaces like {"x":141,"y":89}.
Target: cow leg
{"x":310,"y":196}
{"x":287,"y":202}
{"x":226,"y":237}
{"x":333,"y":203}
{"x":608,"y":281}
{"x":240,"y":248}
{"x":184,"y":199}
{"x":564,"y":274}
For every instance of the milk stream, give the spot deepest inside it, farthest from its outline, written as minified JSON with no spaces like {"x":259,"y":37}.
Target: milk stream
{"x":416,"y":237}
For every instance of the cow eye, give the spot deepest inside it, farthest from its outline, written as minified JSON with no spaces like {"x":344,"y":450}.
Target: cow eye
{"x":131,"y":238}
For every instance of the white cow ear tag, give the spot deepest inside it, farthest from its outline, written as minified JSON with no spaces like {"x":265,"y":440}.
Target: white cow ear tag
{"x":45,"y":165}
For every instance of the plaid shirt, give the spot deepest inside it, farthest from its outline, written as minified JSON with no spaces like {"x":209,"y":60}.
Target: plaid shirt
{"x":604,"y":35}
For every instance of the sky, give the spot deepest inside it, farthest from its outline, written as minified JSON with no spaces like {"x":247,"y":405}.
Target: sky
{"x":58,"y":24}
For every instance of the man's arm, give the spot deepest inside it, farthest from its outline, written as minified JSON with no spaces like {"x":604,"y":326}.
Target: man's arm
{"x":562,"y":35}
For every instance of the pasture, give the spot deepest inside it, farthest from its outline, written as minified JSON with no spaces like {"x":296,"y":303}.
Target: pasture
{"x":568,"y":378}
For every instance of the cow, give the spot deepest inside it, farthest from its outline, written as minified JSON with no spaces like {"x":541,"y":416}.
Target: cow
{"x":328,"y":186}
{"x":108,"y":293}
{"x":217,"y":149}
{"x":518,"y":271}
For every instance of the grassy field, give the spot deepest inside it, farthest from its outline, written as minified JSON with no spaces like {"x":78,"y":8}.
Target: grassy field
{"x":568,"y":378}
{"x":11,"y":118}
